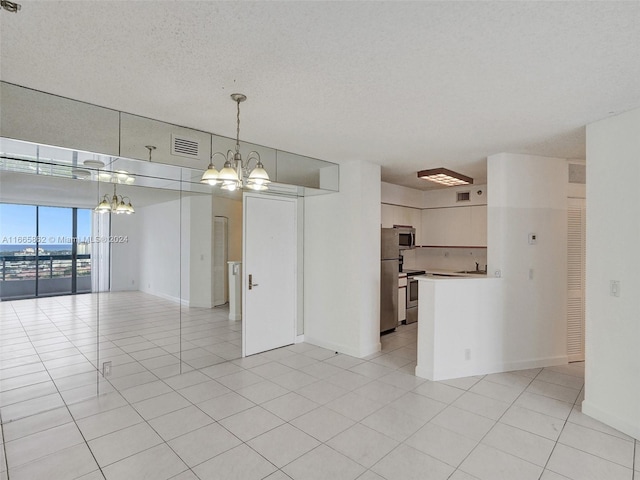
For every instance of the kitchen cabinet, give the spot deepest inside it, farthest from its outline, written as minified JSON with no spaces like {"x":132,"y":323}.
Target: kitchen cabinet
{"x":478,"y":225}
{"x":454,"y":226}
{"x":402,"y":298}
{"x":397,"y":215}
{"x":387,"y":215}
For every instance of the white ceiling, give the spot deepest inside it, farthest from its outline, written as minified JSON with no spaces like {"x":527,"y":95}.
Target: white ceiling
{"x":407,"y":85}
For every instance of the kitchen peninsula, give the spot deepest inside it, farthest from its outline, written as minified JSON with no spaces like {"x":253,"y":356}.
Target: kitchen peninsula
{"x":461,"y":328}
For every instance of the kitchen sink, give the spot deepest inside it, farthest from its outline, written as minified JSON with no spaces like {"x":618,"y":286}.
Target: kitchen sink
{"x":477,"y":272}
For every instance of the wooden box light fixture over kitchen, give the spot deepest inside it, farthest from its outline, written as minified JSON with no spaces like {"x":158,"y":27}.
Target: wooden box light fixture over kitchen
{"x":445,"y":177}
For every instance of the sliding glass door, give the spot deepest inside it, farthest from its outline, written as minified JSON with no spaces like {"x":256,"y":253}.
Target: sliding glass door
{"x":45,"y":251}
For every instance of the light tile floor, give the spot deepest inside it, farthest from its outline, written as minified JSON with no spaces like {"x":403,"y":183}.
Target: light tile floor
{"x":300,"y":412}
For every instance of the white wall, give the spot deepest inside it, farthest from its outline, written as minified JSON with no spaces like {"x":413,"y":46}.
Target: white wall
{"x":460,"y":315}
{"x":125,"y":267}
{"x":612,"y":391}
{"x":446,"y":197}
{"x":445,"y":258}
{"x":232,"y":209}
{"x":342,"y":263}
{"x":200,"y":251}
{"x":175,"y":254}
{"x":529,"y":195}
{"x":399,"y":195}
{"x":160,"y":250}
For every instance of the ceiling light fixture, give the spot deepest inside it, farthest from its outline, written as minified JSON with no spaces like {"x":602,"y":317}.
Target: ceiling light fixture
{"x":236,"y":173}
{"x":12,"y":7}
{"x":115,"y":205}
{"x":444,"y":176}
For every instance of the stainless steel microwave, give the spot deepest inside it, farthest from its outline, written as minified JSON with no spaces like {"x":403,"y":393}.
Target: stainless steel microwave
{"x":406,"y":236}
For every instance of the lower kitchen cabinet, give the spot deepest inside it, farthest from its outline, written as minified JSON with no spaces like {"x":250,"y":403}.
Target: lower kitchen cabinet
{"x":402,"y":298}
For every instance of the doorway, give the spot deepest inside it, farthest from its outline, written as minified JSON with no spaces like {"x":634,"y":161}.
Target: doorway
{"x":270,"y":272}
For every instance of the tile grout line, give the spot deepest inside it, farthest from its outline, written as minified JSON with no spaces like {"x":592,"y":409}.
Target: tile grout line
{"x":531,"y":379}
{"x":117,"y":390}
{"x":4,"y":448}
{"x":561,"y":430}
{"x":65,"y":404}
{"x":635,"y":456}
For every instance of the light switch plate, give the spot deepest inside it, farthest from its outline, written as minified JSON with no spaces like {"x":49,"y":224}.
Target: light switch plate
{"x":614,"y":288}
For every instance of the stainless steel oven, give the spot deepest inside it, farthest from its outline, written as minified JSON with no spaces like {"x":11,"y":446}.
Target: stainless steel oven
{"x":412,"y":295}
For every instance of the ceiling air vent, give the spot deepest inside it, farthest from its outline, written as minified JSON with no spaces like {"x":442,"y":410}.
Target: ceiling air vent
{"x":577,"y":173}
{"x":463,"y":196}
{"x":184,"y":147}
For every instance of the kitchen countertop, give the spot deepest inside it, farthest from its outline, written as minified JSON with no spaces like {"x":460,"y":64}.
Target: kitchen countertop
{"x":443,"y":274}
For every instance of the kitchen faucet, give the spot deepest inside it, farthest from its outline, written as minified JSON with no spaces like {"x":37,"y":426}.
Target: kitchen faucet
{"x":477,"y":267}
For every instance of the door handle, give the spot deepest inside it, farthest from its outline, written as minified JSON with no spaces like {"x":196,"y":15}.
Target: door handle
{"x":251,"y":284}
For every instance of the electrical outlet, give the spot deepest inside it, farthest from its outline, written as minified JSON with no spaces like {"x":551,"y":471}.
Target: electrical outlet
{"x":106,"y":369}
{"x":614,"y":288}
{"x":497,"y":273}
{"x":467,"y":354}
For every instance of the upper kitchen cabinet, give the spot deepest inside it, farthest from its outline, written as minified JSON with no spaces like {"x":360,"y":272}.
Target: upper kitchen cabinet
{"x":398,"y":215}
{"x":446,"y":226}
{"x":38,"y":117}
{"x":174,"y":145}
{"x":455,"y":227}
{"x":478,"y":226}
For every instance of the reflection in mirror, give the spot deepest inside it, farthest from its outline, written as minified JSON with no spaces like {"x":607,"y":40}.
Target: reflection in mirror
{"x":148,"y":311}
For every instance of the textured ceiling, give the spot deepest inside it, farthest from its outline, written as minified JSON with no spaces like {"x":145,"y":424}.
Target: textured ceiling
{"x":407,"y":85}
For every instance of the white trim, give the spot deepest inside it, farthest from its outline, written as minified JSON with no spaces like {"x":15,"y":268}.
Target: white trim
{"x":184,"y":303}
{"x":339,"y":348}
{"x":425,"y":372}
{"x":614,"y":421}
{"x":300,"y":339}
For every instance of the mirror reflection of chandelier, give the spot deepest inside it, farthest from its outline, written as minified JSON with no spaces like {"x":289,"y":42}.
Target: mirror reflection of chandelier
{"x":236,"y":173}
{"x":115,"y":204}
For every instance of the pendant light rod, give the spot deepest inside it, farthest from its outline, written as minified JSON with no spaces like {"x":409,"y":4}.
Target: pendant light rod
{"x":238,"y":98}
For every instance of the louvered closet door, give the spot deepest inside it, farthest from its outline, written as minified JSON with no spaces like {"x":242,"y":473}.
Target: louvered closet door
{"x":576,"y":261}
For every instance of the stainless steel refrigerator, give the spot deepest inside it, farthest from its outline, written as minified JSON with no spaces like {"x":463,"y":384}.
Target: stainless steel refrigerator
{"x":389,"y":268}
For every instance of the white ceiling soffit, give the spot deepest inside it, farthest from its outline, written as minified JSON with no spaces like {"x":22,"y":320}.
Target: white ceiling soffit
{"x":407,"y":85}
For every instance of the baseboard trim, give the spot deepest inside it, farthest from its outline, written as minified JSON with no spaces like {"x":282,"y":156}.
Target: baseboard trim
{"x":610,"y":419}
{"x":299,"y":339}
{"x":344,"y":349}
{"x":449,"y":373}
{"x":184,"y":303}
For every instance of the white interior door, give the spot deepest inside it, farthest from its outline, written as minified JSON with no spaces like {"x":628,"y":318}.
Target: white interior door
{"x":269,"y":273}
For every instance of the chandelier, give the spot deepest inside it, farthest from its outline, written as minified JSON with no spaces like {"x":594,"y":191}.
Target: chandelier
{"x":236,"y":173}
{"x":115,"y":204}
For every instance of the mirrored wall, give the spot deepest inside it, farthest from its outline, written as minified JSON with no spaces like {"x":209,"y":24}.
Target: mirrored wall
{"x":115,"y":261}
